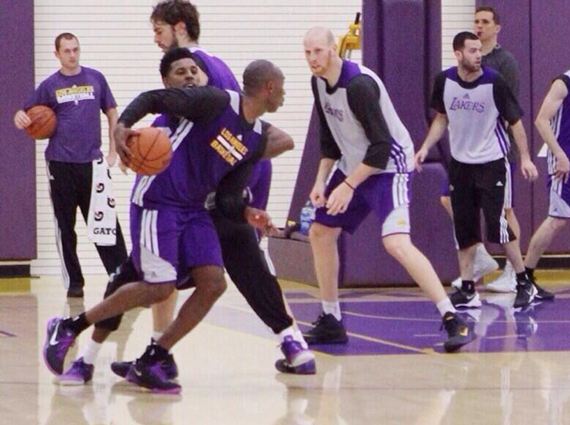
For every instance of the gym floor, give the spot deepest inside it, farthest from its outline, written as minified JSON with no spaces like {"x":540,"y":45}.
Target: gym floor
{"x":392,"y":371}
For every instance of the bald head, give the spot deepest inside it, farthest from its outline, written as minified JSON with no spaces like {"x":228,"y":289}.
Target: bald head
{"x":320,"y":52}
{"x":321,"y":35}
{"x":258,"y":73}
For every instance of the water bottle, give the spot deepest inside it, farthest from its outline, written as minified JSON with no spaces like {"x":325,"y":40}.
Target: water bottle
{"x":307,"y":217}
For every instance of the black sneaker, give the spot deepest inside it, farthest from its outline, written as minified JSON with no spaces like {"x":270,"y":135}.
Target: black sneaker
{"x":526,"y":292}
{"x":458,"y":332}
{"x":461,"y":298}
{"x":326,"y":330}
{"x":542,"y":294}
{"x":168,"y":366}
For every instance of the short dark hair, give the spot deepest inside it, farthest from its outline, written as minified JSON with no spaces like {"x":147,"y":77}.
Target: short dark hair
{"x":172,"y":56}
{"x":66,"y":36}
{"x":258,"y":73}
{"x":496,"y":16}
{"x":459,"y":40}
{"x":174,"y":11}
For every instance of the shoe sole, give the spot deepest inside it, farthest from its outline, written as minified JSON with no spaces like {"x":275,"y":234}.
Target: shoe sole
{"x":70,"y":383}
{"x":545,"y":298}
{"x":308,"y":368}
{"x":134,"y":382}
{"x":475,"y":302}
{"x":451,"y":348}
{"x":327,"y":342}
{"x":302,"y":358}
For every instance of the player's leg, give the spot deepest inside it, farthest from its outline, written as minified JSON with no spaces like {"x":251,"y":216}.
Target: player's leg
{"x":246,"y":267}
{"x":491,"y":178}
{"x":467,"y":230}
{"x":507,"y":281}
{"x":63,"y":182}
{"x":389,"y":199}
{"x":199,"y":251}
{"x":559,"y":213}
{"x":155,"y":251}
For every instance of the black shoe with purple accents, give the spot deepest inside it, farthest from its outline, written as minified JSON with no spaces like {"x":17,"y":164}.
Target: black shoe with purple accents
{"x":168,"y":366}
{"x":58,"y":341}
{"x":147,"y":372}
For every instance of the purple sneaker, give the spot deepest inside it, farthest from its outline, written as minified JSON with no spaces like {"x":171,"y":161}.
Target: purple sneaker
{"x":168,"y":366}
{"x":298,"y":360}
{"x":78,"y":374}
{"x":58,"y":341}
{"x":151,"y":376}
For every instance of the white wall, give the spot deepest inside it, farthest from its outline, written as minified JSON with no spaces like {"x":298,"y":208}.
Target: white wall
{"x":116,"y":38}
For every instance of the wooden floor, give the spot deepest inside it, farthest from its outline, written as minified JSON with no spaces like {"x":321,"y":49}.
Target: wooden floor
{"x":392,"y":371}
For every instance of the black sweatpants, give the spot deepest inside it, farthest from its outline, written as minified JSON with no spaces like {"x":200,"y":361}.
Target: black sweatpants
{"x":247,"y":268}
{"x":70,"y":187}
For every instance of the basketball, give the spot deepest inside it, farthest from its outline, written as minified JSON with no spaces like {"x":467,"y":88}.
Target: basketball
{"x":151,"y":149}
{"x":43,"y":123}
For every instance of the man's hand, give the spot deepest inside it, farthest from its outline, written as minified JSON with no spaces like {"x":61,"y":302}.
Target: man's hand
{"x":339,"y":199}
{"x":419,"y":159}
{"x":317,"y":195}
{"x":121,"y":135}
{"x":123,"y":167}
{"x":562,"y":170}
{"x":261,"y":220}
{"x":529,"y":170}
{"x":21,"y":120}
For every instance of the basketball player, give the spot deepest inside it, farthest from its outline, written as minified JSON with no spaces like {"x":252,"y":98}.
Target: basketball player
{"x":553,"y":124}
{"x":77,"y":94}
{"x":474,"y":102}
{"x":218,"y":131}
{"x":241,"y":258}
{"x":363,"y":135}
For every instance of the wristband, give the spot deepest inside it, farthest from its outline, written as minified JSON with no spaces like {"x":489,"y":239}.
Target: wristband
{"x":348,"y":184}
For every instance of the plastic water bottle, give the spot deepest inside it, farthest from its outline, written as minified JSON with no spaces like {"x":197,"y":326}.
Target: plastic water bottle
{"x":307,"y":217}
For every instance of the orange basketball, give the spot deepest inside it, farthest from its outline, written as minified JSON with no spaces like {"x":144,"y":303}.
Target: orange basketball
{"x":43,"y":123}
{"x":151,"y":149}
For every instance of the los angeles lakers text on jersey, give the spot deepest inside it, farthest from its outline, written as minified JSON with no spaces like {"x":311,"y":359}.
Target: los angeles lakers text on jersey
{"x":75,"y":94}
{"x":229,"y":146}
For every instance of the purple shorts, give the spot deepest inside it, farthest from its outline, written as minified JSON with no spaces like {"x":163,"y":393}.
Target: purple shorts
{"x":167,"y":241}
{"x":387,"y":194}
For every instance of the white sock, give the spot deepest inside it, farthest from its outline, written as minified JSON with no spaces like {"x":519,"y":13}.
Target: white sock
{"x":91,"y":351}
{"x":481,"y":250}
{"x":156,"y":335}
{"x":299,"y":337}
{"x":287,"y":332}
{"x":332,"y":308}
{"x":445,"y":306}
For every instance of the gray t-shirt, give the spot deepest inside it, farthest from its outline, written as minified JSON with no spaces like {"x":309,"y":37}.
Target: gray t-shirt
{"x":501,"y":60}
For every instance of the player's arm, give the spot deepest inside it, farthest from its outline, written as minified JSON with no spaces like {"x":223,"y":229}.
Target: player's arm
{"x":39,"y":97}
{"x":200,"y":103}
{"x":439,"y":123}
{"x":550,"y":106}
{"x":278,"y":142}
{"x":330,"y":153}
{"x":510,"y":110}
{"x":112,"y":118}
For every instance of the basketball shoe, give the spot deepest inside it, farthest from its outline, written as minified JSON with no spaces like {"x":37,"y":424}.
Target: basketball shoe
{"x":58,"y":341}
{"x":168,"y":366}
{"x":326,"y":330}
{"x":458,"y":331}
{"x":464,"y":298}
{"x":298,"y":360}
{"x":78,"y":374}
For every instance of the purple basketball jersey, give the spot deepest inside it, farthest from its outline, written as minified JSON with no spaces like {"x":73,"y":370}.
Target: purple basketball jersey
{"x":219,"y":74}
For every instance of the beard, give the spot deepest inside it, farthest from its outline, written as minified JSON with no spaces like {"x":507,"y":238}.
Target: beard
{"x":470,"y":66}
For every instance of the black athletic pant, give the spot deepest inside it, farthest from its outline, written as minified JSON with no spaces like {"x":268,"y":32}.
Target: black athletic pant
{"x":70,"y":187}
{"x":247,"y":268}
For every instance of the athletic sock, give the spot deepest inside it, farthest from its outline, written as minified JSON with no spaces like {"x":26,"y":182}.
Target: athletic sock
{"x":445,"y":306}
{"x":155,"y":353}
{"x":156,"y":335}
{"x":529,"y":272}
{"x":287,"y":332}
{"x":77,"y":324}
{"x":91,"y":351}
{"x":332,"y":307}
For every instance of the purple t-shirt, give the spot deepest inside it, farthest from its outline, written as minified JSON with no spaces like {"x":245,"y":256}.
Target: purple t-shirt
{"x":219,"y":74}
{"x":77,"y":101}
